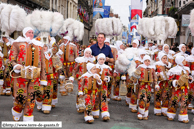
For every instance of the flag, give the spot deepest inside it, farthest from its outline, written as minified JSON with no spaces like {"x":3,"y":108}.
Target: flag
{"x":129,"y":39}
{"x":98,"y":7}
{"x":134,"y":26}
{"x":129,"y":26}
{"x":124,"y":36}
{"x":106,"y":11}
{"x":136,"y":8}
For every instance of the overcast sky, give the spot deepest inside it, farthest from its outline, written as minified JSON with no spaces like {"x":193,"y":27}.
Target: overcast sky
{"x":121,"y":7}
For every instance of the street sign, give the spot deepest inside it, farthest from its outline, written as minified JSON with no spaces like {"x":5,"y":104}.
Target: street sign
{"x":185,"y":20}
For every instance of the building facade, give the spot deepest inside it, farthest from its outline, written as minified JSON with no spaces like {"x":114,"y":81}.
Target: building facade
{"x":68,"y":8}
{"x":178,"y":9}
{"x":183,"y":11}
{"x":85,"y":14}
{"x":59,"y":6}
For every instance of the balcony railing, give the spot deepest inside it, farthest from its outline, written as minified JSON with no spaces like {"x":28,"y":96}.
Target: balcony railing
{"x":43,"y":3}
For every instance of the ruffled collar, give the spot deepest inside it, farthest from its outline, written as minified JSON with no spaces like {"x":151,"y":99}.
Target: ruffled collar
{"x":120,"y":51}
{"x":160,"y":63}
{"x":139,"y":59}
{"x":65,"y":44}
{"x":190,"y":58}
{"x":102,"y":67}
{"x":89,"y":74}
{"x":84,"y":59}
{"x":157,"y":50}
{"x":145,"y":66}
{"x":29,"y":41}
{"x":181,"y":54}
{"x":178,"y":70}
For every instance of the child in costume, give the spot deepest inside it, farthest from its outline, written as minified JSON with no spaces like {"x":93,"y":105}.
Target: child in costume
{"x":134,"y":87}
{"x":89,"y":82}
{"x":190,"y":60}
{"x":101,"y":101}
{"x":8,"y":84}
{"x":130,"y":86}
{"x":162,"y":94}
{"x":49,"y":97}
{"x":2,"y":67}
{"x":178,"y":75}
{"x":112,"y":66}
{"x":146,"y":76}
{"x":79,"y":70}
{"x":67,"y":58}
{"x":120,"y":48}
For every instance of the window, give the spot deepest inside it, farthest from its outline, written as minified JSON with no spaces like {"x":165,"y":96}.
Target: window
{"x":183,"y":2}
{"x":179,"y":3}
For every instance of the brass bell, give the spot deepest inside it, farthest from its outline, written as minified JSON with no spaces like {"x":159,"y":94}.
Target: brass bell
{"x":33,"y":49}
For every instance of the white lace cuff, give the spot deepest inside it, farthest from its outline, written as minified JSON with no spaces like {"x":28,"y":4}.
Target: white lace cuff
{"x":15,"y":70}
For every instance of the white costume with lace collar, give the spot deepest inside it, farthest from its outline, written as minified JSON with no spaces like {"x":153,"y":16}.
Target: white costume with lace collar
{"x":85,"y":59}
{"x":103,"y":66}
{"x":181,"y":53}
{"x":180,"y":67}
{"x":145,"y":66}
{"x":191,"y":57}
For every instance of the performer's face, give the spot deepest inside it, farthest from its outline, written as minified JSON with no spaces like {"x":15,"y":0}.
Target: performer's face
{"x":87,"y":54}
{"x":166,"y":49}
{"x":160,"y":47}
{"x":5,"y":39}
{"x":183,"y":48}
{"x":164,"y":59}
{"x":150,"y":44}
{"x":65,"y":40}
{"x":184,"y":62}
{"x":30,"y":34}
{"x":142,"y":55}
{"x":45,"y":48}
{"x":101,"y":61}
{"x":94,"y":42}
{"x":93,"y":70}
{"x":134,"y":45}
{"x":122,"y":47}
{"x":147,"y":62}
